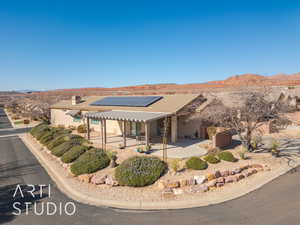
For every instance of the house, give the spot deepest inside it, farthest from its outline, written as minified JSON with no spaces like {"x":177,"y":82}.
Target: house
{"x":131,"y":116}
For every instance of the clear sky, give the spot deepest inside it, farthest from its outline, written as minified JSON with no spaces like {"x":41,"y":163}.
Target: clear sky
{"x":69,"y":44}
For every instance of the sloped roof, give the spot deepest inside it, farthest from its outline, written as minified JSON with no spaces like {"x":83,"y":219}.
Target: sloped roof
{"x":168,"y":104}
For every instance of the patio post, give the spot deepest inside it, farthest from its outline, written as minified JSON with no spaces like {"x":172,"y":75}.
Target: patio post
{"x":102,"y":136}
{"x":147,"y":133}
{"x":104,"y":128}
{"x":174,"y":129}
{"x":124,"y":133}
{"x":88,"y":128}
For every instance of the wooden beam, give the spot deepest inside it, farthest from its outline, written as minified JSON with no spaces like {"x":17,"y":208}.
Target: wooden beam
{"x":147,"y":133}
{"x":124,"y":134}
{"x":88,"y":129}
{"x":104,"y":132}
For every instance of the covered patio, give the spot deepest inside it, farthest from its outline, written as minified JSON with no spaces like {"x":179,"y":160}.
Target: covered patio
{"x":128,"y":117}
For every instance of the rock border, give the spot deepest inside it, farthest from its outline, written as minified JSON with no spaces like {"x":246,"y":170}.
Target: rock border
{"x":72,"y":192}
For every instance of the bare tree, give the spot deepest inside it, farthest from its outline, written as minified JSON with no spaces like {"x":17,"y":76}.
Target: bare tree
{"x":247,"y":117}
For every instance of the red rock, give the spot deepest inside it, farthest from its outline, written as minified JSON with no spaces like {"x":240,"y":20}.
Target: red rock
{"x":211,"y":183}
{"x":225,"y":173}
{"x":221,"y":180}
{"x":220,"y":184}
{"x":229,"y":179}
{"x":98,"y":179}
{"x":218,"y":174}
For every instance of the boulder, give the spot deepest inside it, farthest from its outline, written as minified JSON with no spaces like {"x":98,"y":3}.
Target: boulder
{"x":199,"y":188}
{"x":229,"y":179}
{"x":199,"y":179}
{"x":237,"y":170}
{"x":183,"y":182}
{"x":191,"y":182}
{"x":225,"y":173}
{"x":257,"y":167}
{"x":218,"y":174}
{"x":236,"y":178}
{"x":241,"y":176}
{"x":232,"y":172}
{"x":98,"y":179}
{"x":173,"y":184}
{"x":177,"y":191}
{"x":220,"y":180}
{"x":220,"y":184}
{"x":211,"y":183}
{"x":85,"y":178}
{"x":111,"y":181}
{"x":210,"y":176}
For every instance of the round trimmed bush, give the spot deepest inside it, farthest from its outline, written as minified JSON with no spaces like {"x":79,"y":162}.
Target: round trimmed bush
{"x":63,"y":138}
{"x":39,"y":128}
{"x":196,"y":163}
{"x":227,"y":156}
{"x":139,"y":171}
{"x":211,"y":158}
{"x":90,"y":162}
{"x":74,"y":153}
{"x":63,"y":148}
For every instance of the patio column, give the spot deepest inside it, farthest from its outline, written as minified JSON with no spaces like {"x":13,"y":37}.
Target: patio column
{"x":147,"y":133}
{"x":104,"y":132}
{"x":88,"y":129}
{"x":124,"y":133}
{"x":174,"y":129}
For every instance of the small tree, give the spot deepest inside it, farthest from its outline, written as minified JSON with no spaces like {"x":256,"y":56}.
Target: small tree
{"x":243,"y":120}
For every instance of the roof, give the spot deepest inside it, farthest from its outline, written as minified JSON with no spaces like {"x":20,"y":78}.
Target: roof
{"x":136,"y":116}
{"x":168,"y":104}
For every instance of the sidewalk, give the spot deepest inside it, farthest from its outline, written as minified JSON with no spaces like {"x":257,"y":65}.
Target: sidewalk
{"x":84,"y":193}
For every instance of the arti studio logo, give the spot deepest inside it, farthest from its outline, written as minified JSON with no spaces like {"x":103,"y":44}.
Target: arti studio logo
{"x":27,"y":197}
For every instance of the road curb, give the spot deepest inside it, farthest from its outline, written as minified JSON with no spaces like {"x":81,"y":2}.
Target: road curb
{"x":75,"y":194}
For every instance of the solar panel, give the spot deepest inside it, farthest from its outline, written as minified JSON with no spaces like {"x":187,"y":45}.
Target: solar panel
{"x":131,"y":101}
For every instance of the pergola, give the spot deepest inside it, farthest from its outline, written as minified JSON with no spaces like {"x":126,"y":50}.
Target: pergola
{"x":119,"y":115}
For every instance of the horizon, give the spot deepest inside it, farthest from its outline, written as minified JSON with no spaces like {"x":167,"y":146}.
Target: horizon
{"x":54,"y":45}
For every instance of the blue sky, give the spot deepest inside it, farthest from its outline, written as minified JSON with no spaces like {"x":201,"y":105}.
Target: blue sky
{"x":69,"y":44}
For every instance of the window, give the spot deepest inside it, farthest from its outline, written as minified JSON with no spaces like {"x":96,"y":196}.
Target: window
{"x":93,"y":121}
{"x":76,"y":119}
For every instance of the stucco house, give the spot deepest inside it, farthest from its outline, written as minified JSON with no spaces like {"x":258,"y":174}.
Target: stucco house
{"x":132,"y":116}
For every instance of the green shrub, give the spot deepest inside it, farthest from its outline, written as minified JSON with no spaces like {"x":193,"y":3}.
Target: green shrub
{"x":74,"y":153}
{"x":63,"y":148}
{"x":211,"y":131}
{"x":63,"y":138}
{"x":82,"y":128}
{"x":38,"y":129}
{"x":53,"y":133}
{"x":227,"y":156}
{"x":139,"y":171}
{"x":90,"y":161}
{"x":196,"y":163}
{"x":211,"y":158}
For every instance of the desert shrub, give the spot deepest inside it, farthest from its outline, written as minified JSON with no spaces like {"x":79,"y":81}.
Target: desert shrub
{"x":211,"y":158}
{"x":74,"y":153}
{"x":52,"y":134}
{"x":139,"y":171}
{"x":82,"y":128}
{"x":196,"y":164}
{"x":111,"y":154}
{"x":39,"y":128}
{"x":227,"y":156}
{"x":175,"y":165}
{"x":63,"y":138}
{"x":90,"y":161}
{"x":63,"y":148}
{"x":211,"y":131}
{"x":15,"y":117}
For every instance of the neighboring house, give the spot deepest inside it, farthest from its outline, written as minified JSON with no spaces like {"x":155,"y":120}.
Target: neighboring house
{"x":138,"y":115}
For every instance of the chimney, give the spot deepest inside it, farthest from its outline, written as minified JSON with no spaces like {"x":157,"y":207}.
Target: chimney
{"x":76,"y":100}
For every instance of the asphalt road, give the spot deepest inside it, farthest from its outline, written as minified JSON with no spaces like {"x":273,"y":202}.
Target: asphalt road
{"x":277,"y":203}
{"x":4,"y":121}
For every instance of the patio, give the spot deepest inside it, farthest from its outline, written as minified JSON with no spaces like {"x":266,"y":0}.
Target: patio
{"x":183,"y":148}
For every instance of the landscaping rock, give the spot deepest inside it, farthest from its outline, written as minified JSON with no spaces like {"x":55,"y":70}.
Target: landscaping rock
{"x":236,"y":178}
{"x":98,"y":179}
{"x":218,"y":174}
{"x":221,"y":180}
{"x":173,"y":184}
{"x":257,"y":167}
{"x":220,"y":184}
{"x":211,"y":183}
{"x":199,"y":188}
{"x":183,"y":182}
{"x":85,"y":178}
{"x":191,"y":182}
{"x":210,"y":176}
{"x":199,"y":179}
{"x":241,"y":176}
{"x":229,"y":179}
{"x":225,"y":173}
{"x":161,"y":184}
{"x":237,"y":170}
{"x":177,"y":191}
{"x":111,"y":181}
{"x":232,"y":172}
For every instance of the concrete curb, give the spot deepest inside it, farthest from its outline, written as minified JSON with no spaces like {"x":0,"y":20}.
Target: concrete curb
{"x":75,"y":194}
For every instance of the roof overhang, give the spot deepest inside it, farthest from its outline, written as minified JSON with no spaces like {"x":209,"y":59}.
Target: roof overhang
{"x":134,"y":116}
{"x":73,"y":113}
